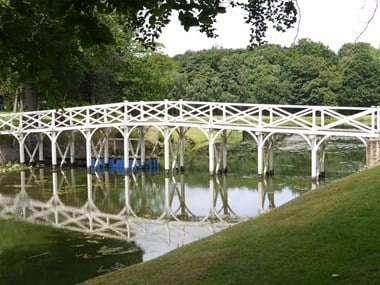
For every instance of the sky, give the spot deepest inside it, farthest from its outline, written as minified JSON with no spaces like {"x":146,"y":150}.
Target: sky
{"x":332,"y":22}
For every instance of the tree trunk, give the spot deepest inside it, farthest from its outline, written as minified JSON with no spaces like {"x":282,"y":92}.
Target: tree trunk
{"x":30,"y":98}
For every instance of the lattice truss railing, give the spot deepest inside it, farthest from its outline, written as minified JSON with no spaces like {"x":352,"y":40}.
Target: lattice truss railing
{"x":82,"y":219}
{"x":255,"y":117}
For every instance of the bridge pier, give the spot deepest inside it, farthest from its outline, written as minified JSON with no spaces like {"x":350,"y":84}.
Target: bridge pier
{"x":269,"y":162}
{"x":318,"y":153}
{"x":21,"y":141}
{"x":223,"y":150}
{"x":88,"y":148}
{"x":142,"y":146}
{"x":260,"y":155}
{"x":181,"y":149}
{"x":72,"y":148}
{"x":126,"y":148}
{"x":166,"y":151}
{"x":372,"y":152}
{"x":41,"y":147}
{"x":53,"y":138}
{"x":106,"y":148}
{"x":211,"y":152}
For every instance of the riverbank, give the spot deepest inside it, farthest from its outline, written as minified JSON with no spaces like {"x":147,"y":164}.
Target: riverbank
{"x":327,"y":236}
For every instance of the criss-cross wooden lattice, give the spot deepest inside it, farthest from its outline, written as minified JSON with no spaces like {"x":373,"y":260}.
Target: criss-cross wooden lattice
{"x":307,"y":120}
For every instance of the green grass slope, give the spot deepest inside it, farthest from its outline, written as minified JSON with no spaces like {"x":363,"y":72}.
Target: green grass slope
{"x":330,"y":235}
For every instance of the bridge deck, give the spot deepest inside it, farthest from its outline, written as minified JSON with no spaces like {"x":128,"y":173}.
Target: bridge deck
{"x":307,"y":120}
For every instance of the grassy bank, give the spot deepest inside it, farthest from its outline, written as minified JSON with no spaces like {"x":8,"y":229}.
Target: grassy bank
{"x":327,"y":236}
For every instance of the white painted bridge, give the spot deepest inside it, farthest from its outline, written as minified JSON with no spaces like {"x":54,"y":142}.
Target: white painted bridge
{"x":316,"y":124}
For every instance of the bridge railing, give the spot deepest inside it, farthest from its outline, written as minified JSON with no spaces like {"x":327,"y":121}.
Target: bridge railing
{"x":243,"y":116}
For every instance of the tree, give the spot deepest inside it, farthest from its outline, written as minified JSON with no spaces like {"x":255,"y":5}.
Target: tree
{"x":42,"y":42}
{"x":360,"y":77}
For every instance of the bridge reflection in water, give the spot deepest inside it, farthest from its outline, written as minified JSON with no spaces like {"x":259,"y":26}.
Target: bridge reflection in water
{"x":157,"y":216}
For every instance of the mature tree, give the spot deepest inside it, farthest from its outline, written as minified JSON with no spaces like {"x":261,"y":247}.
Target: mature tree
{"x":315,"y":49}
{"x":361,"y":75}
{"x":42,"y":42}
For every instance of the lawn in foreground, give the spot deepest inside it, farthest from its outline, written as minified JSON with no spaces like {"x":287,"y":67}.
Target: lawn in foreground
{"x":330,"y":235}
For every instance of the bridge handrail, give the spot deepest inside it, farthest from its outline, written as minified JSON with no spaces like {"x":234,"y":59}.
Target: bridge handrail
{"x":259,"y":117}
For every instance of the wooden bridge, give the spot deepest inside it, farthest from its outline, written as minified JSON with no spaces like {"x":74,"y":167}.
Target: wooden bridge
{"x":316,"y":124}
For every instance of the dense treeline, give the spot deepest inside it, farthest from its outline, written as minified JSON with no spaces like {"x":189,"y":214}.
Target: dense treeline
{"x":307,"y":73}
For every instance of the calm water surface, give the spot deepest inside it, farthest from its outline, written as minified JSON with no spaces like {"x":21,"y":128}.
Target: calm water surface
{"x":67,"y":226}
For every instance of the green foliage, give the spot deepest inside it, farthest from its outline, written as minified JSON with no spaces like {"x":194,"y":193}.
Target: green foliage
{"x":43,"y":43}
{"x":308,"y":73}
{"x":360,"y":76}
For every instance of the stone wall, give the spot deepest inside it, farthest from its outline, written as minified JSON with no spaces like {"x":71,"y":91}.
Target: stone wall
{"x":373,"y":152}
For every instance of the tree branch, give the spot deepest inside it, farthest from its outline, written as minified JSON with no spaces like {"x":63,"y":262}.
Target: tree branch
{"x":368,"y":22}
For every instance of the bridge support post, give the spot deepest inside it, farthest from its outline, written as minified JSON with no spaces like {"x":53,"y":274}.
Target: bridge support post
{"x":269,"y":167}
{"x":224,"y":151}
{"x":72,"y":148}
{"x":88,"y":148}
{"x":322,"y":152}
{"x":106,"y":148}
{"x":21,"y":143}
{"x":142,"y":146}
{"x":167,"y":150}
{"x":53,"y":138}
{"x":260,"y":155}
{"x":181,"y":149}
{"x":126,"y":149}
{"x":314,"y":158}
{"x":211,"y":153}
{"x":41,"y":148}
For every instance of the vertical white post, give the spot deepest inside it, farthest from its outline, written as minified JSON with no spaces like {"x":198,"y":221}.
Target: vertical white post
{"x":21,"y":141}
{"x":106,"y":149}
{"x":53,"y":136}
{"x":314,"y":158}
{"x":260,"y":155}
{"x":41,"y":147}
{"x":88,"y":148}
{"x":72,"y":149}
{"x":322,"y":151}
{"x":211,"y":153}
{"x":142,"y":146}
{"x":181,"y":150}
{"x":166,"y":151}
{"x":271,"y":156}
{"x":224,"y":152}
{"x":126,"y":149}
